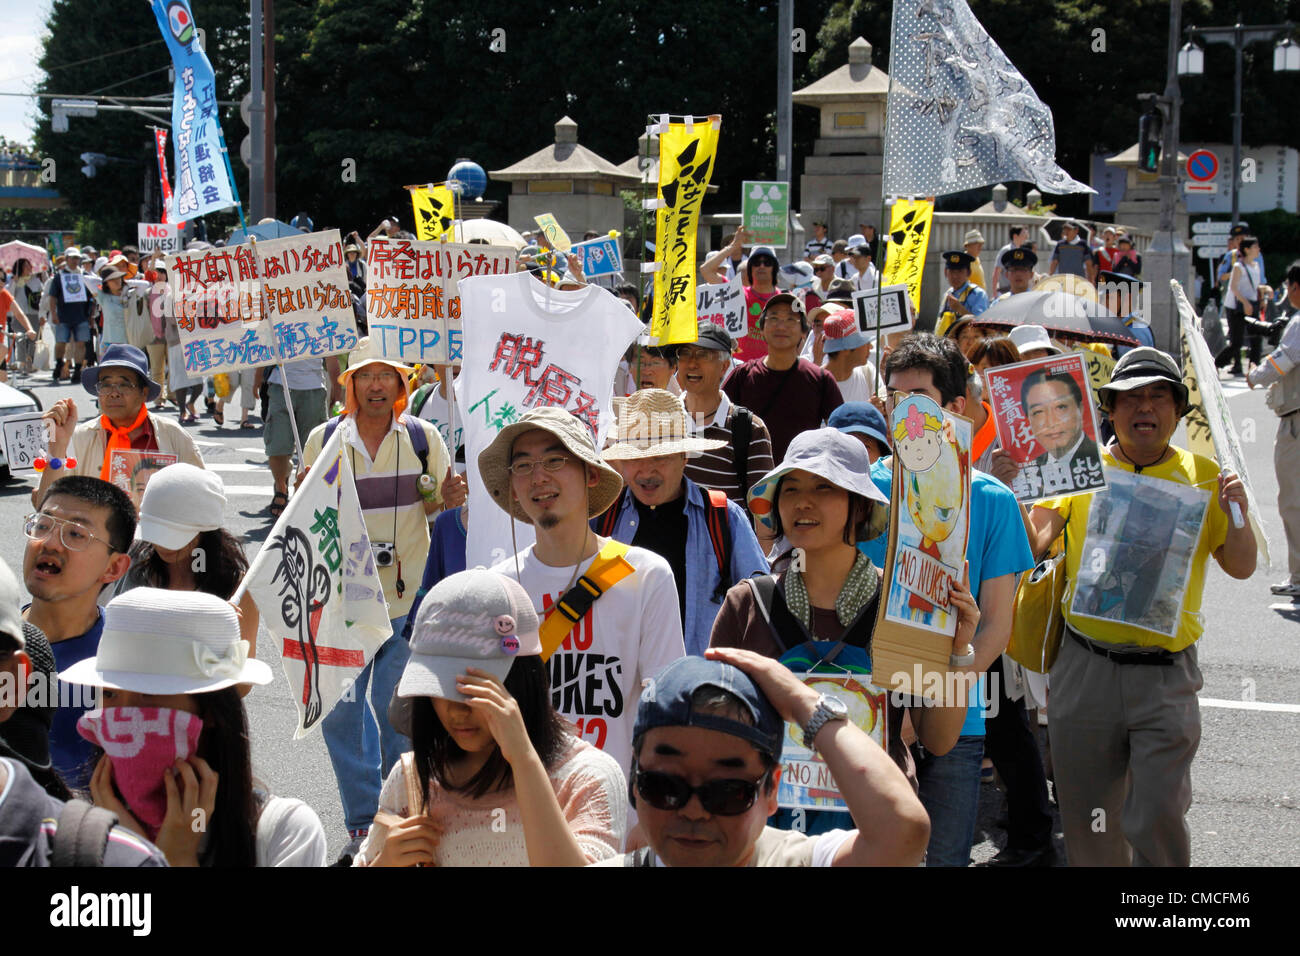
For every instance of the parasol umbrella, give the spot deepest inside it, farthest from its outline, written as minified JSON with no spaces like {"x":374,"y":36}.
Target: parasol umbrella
{"x":492,"y":232}
{"x":11,"y":252}
{"x":1067,"y":282}
{"x":1058,"y":312}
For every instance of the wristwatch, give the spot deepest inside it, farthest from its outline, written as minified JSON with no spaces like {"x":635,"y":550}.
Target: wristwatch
{"x":963,"y":660}
{"x":828,"y":708}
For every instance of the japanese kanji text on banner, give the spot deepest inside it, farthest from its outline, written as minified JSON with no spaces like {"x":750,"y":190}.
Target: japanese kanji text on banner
{"x":686,"y":156}
{"x":412,"y":297}
{"x":909,"y":237}
{"x":254,"y":304}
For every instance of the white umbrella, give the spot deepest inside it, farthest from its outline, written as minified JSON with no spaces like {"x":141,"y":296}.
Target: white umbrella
{"x":490,"y":231}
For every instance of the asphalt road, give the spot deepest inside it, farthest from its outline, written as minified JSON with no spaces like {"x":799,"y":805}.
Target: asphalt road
{"x":1245,"y":781}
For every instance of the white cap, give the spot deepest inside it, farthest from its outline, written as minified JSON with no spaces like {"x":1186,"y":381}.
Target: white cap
{"x":1029,"y":337}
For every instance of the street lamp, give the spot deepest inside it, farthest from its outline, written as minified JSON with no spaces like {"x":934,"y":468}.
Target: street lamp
{"x":1191,"y":62}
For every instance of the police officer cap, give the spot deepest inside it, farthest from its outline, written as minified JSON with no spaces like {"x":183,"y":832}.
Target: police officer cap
{"x":1019,"y":257}
{"x":957,"y":260}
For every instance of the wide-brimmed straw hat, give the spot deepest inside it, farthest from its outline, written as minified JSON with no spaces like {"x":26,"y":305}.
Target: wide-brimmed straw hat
{"x":494,"y":460}
{"x":652,"y":422}
{"x":828,"y":453}
{"x":158,"y":641}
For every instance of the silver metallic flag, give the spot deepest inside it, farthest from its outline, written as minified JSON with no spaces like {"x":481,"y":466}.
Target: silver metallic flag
{"x":960,"y":113}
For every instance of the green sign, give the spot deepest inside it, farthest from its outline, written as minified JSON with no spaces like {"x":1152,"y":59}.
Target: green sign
{"x":765,"y":212}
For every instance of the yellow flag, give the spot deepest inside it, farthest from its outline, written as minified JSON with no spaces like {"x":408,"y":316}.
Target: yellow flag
{"x":909,"y":237}
{"x":686,"y":160}
{"x":434,"y":211}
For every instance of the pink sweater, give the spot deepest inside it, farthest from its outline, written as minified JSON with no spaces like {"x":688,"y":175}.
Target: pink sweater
{"x":488,"y":831}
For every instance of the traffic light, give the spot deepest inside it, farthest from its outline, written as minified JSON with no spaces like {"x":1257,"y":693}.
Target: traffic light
{"x":1151,"y":127}
{"x":93,"y":163}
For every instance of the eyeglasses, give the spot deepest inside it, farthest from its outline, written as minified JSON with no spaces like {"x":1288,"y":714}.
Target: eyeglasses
{"x":721,"y":798}
{"x":365,"y":378}
{"x":74,"y":536}
{"x":650,"y":361}
{"x":783,"y":318}
{"x":691,"y":353}
{"x":522,"y":469}
{"x":119,"y":386}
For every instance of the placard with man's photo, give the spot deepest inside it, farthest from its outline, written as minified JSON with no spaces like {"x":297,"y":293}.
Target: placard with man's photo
{"x":1046,"y":421}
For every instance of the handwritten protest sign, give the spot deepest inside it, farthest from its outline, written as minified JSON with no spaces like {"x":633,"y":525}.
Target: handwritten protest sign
{"x":909,"y":237}
{"x":1046,"y":421}
{"x":600,"y":257}
{"x":890,"y":308}
{"x":412,"y":296}
{"x":805,"y":779}
{"x":131,"y":469}
{"x":686,"y":157}
{"x":554,"y":233}
{"x":1210,"y":428}
{"x":157,"y":237}
{"x":262,"y":302}
{"x":26,"y":438}
{"x":765,"y":213}
{"x":929,"y":522}
{"x":722,"y":304}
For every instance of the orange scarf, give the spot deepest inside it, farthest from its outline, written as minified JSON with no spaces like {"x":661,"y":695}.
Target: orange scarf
{"x":984,"y":437}
{"x":118,"y":438}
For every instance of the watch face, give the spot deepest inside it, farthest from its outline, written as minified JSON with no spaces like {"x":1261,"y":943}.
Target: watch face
{"x":836,"y":706}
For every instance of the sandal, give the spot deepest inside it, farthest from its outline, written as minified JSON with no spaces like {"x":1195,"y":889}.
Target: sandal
{"x":218,"y":417}
{"x":278,"y":504}
{"x":247,"y":425}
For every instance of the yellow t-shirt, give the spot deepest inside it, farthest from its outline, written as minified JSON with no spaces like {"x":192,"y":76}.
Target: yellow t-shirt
{"x":1184,"y":468}
{"x":977,"y":275}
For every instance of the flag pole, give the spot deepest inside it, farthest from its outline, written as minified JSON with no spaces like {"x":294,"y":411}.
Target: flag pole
{"x":883,"y":231}
{"x":230,"y":175}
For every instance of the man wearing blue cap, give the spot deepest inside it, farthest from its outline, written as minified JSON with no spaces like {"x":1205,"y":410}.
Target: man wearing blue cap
{"x":707,"y":750}
{"x":863,"y":421}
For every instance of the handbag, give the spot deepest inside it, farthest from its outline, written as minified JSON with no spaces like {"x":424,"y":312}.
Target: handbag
{"x":1037,"y":622}
{"x":139,"y":330}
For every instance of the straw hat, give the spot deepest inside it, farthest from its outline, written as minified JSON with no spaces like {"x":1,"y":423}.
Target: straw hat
{"x":494,"y":460}
{"x":652,"y":422}
{"x":158,"y":641}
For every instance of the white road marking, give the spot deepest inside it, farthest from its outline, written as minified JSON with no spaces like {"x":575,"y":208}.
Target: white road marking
{"x":263,"y":491}
{"x":233,"y":466}
{"x":1249,"y":705}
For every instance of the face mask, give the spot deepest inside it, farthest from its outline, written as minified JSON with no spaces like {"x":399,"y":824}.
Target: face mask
{"x":142,"y":743}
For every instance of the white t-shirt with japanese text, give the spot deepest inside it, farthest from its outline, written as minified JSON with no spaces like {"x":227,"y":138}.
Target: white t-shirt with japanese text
{"x":528,"y":346}
{"x":631,"y":633}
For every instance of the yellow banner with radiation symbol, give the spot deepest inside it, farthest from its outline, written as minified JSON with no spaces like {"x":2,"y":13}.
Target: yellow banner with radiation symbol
{"x":686,"y":157}
{"x":434,"y":211}
{"x":909,"y":237}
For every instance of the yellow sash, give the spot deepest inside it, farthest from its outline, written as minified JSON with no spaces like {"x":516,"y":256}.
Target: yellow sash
{"x":610,"y":567}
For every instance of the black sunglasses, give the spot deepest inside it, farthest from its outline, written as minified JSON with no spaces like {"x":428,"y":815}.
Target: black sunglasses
{"x":720,"y":798}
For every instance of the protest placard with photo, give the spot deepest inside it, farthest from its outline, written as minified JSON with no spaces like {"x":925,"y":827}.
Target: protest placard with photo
{"x":412,"y":297}
{"x":722,"y":304}
{"x":130,"y":469}
{"x":600,"y":257}
{"x":806,"y":781}
{"x":890,"y":308}
{"x":1047,"y":422}
{"x":1141,"y":538}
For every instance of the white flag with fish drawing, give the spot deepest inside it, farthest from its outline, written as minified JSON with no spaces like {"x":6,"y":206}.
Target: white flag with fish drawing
{"x":317,"y":588}
{"x":960,"y":114}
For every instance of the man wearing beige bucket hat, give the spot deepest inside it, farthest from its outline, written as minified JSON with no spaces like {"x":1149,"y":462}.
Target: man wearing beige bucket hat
{"x":390,"y":453}
{"x":544,"y":470}
{"x":706,"y":539}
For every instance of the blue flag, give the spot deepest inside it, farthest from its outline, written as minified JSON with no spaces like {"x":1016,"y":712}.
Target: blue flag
{"x":202,"y":185}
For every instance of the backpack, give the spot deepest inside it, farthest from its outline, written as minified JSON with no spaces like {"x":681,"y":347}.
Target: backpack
{"x":719,"y":535}
{"x":850,"y":653}
{"x":82,"y":835}
{"x":419,"y":440}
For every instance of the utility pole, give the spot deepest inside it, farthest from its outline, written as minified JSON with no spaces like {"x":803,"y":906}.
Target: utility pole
{"x":268,"y":85}
{"x":784,"y":92}
{"x":256,"y":116}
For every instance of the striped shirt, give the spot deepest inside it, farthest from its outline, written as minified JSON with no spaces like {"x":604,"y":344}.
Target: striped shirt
{"x":717,"y":468}
{"x":388,"y":490}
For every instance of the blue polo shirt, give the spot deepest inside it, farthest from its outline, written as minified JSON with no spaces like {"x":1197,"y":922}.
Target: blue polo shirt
{"x":69,"y":751}
{"x":997,"y":545}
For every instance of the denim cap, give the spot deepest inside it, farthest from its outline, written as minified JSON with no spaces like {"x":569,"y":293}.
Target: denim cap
{"x":861,"y":418}
{"x":474,"y":618}
{"x":666,"y":702}
{"x":121,"y":356}
{"x":830,"y":454}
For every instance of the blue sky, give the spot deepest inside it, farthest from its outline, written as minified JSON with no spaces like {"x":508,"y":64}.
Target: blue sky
{"x":22,"y":23}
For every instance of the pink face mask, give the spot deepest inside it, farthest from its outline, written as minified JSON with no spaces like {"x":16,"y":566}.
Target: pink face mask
{"x":142,"y":743}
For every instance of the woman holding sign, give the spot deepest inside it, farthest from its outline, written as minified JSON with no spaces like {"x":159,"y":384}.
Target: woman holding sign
{"x":818,"y":614}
